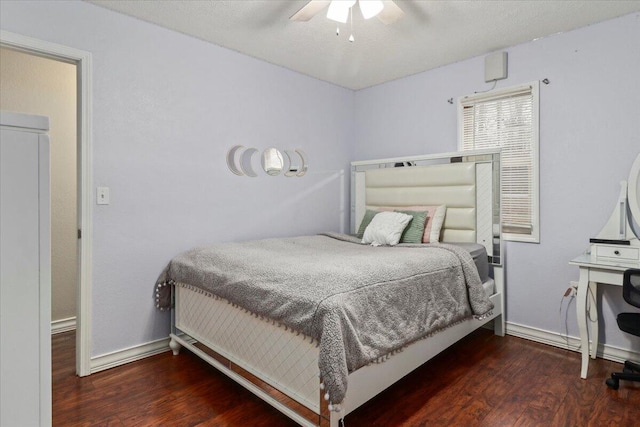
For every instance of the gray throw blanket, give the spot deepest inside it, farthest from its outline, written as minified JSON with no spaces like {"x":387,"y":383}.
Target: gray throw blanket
{"x":359,"y":302}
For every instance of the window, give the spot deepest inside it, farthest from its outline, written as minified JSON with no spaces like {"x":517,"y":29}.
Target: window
{"x":508,"y":119}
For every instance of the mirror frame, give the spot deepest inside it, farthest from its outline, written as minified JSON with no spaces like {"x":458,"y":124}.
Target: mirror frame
{"x":245,"y":162}
{"x":232,"y":159}
{"x":305,"y":164}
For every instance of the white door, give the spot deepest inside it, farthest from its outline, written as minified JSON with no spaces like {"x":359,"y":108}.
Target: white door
{"x":25,"y":337}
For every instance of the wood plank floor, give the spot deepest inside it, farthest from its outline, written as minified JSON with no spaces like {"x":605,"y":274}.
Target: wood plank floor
{"x":483,"y":380}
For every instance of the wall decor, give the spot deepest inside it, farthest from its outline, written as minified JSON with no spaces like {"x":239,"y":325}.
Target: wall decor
{"x":272,"y":161}
{"x":246,"y":162}
{"x":240,"y":161}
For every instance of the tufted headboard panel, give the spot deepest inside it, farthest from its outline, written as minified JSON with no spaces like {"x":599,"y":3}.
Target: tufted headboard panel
{"x":468,"y":183}
{"x":453,"y":185}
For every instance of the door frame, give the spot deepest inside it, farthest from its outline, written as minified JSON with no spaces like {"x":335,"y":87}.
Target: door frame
{"x":83,"y":62}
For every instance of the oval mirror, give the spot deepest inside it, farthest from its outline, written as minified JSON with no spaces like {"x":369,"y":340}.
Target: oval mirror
{"x":305,"y":165}
{"x":232,"y":159}
{"x":293,"y":167}
{"x":272,"y":161}
{"x":245,"y":162}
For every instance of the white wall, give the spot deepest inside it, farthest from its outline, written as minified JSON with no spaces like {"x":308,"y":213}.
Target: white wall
{"x":166,"y":109}
{"x":36,"y":85}
{"x":589,"y":136}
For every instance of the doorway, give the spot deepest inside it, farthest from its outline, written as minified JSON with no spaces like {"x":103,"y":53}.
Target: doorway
{"x":36,"y":85}
{"x":80,"y":63}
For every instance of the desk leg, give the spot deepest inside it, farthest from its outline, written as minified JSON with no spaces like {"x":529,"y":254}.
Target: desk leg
{"x":581,"y":311}
{"x":592,"y":316}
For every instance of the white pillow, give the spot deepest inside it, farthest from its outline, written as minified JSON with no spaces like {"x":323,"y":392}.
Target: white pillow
{"x":386,"y":228}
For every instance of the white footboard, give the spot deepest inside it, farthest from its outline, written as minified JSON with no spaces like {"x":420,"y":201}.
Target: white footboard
{"x":287,"y":361}
{"x":279,"y":357}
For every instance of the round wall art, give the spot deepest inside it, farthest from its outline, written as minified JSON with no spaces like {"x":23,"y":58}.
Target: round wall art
{"x":241,"y":160}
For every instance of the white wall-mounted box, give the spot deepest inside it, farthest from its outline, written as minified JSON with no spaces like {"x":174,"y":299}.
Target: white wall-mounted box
{"x":495,"y":66}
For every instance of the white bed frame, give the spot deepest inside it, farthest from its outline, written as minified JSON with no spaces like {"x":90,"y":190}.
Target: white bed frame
{"x":261,"y":355}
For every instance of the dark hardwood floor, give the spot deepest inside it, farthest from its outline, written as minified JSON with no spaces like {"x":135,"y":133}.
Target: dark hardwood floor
{"x":483,"y":380}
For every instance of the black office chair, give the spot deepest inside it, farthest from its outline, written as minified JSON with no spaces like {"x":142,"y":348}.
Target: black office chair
{"x":630,"y":323}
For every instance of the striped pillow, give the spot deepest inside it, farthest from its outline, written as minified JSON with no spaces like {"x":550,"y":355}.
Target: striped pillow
{"x":414,"y":231}
{"x":433,"y":227}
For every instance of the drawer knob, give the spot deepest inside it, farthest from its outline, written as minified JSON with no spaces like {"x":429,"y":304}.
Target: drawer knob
{"x":617,"y":252}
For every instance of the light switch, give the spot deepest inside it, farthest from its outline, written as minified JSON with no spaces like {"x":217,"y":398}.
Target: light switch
{"x":102,"y":195}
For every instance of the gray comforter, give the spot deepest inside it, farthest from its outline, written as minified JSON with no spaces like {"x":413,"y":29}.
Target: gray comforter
{"x":359,"y":302}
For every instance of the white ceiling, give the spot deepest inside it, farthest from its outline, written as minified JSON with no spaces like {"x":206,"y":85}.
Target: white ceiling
{"x":431,"y":34}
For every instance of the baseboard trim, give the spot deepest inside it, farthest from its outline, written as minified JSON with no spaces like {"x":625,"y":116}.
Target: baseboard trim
{"x":605,"y":351}
{"x":63,"y":325}
{"x":128,"y":355}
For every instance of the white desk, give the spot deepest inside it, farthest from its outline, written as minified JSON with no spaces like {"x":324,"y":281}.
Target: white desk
{"x":592,"y":273}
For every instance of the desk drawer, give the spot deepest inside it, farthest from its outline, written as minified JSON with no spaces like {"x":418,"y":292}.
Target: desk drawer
{"x":626,"y":253}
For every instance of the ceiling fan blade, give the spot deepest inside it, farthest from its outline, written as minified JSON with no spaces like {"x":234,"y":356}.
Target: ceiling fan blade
{"x":391,"y":12}
{"x":309,"y":10}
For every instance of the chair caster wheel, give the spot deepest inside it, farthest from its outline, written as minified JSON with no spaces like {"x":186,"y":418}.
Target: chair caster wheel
{"x":613,"y":383}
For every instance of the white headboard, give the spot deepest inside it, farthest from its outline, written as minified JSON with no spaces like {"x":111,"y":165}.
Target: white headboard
{"x":467,"y":183}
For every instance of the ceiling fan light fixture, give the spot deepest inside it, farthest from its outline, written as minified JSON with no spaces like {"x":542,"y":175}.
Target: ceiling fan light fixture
{"x":339,"y":10}
{"x":370,"y":8}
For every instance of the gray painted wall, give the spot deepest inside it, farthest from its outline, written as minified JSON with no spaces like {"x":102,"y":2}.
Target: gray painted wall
{"x":589,"y":136}
{"x":166,"y":108}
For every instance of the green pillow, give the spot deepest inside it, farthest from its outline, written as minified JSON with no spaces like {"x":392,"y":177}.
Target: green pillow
{"x":366,"y":219}
{"x":415,"y":229}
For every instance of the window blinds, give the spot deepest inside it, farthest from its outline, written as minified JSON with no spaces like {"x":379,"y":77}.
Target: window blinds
{"x":506,"y":119}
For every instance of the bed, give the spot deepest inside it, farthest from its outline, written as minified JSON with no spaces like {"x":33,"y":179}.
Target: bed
{"x":299,"y":367}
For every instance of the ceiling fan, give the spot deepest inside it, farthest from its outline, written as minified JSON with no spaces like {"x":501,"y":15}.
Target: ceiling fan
{"x":386,"y":10}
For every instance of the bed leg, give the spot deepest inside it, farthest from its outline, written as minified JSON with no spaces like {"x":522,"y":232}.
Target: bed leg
{"x":334,"y":420}
{"x":175,"y":346}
